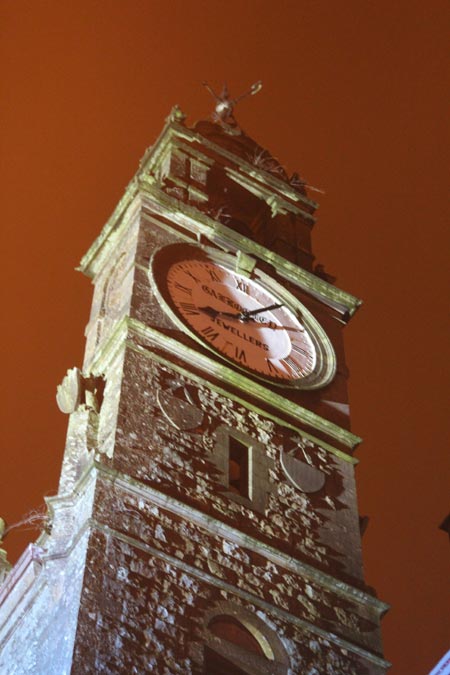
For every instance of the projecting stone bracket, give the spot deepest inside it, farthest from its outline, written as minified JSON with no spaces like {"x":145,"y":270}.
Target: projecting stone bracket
{"x":81,"y":396}
{"x":245,"y":264}
{"x":77,"y":389}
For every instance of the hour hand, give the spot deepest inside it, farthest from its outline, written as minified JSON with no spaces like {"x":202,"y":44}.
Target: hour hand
{"x":210,"y":311}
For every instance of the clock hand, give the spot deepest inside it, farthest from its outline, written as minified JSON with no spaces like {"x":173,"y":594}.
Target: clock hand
{"x":217,"y":312}
{"x":275,"y":326}
{"x":248,"y":316}
{"x":249,"y":313}
{"x":245,"y":315}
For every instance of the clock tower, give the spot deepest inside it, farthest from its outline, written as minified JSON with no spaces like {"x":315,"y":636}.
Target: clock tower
{"x":206,"y":520}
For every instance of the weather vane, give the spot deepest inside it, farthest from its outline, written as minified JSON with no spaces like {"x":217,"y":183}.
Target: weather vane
{"x":225,"y":104}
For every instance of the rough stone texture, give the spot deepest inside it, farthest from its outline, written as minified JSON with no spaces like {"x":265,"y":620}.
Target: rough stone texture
{"x":112,"y":295}
{"x":330,"y":401}
{"x":242,"y":561}
{"x":39,"y":601}
{"x":149,"y":541}
{"x":44,"y":642}
{"x":215,"y":189}
{"x":182,"y":464}
{"x":161,"y":629}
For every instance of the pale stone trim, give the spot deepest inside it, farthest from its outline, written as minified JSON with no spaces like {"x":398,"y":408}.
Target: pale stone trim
{"x":19,"y":589}
{"x":201,"y":519}
{"x":262,"y":175}
{"x":209,"y":365}
{"x":190,"y":219}
{"x":275,"y":202}
{"x":119,"y":341}
{"x":142,"y":186}
{"x":325,"y":368}
{"x":268,"y":639}
{"x":245,"y":595}
{"x":259,"y":465}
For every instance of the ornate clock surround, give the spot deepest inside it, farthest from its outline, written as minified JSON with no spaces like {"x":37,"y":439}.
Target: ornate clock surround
{"x":166,"y":256}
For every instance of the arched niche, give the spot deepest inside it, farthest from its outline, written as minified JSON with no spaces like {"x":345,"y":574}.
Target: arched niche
{"x":237,"y":642}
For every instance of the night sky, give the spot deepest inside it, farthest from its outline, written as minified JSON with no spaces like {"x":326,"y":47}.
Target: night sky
{"x":353,"y":99}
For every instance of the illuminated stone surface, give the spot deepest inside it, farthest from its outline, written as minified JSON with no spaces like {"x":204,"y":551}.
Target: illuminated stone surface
{"x":153,"y":544}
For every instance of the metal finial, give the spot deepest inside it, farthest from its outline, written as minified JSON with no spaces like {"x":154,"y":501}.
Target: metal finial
{"x":225,"y":104}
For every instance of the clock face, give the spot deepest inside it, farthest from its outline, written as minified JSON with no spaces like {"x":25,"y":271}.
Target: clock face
{"x":241,"y":320}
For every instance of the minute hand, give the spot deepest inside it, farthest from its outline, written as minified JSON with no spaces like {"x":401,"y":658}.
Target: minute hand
{"x":252,"y":312}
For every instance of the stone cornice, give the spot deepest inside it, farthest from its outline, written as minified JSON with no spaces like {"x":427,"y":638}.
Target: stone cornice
{"x":175,"y":131}
{"x":245,"y":595}
{"x":19,"y":587}
{"x":278,"y":203}
{"x":143,"y":186}
{"x":230,"y":533}
{"x":225,"y":374}
{"x":122,"y":337}
{"x":191,"y":514}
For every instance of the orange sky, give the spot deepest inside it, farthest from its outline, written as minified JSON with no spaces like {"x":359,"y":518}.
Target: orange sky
{"x":353,"y":99}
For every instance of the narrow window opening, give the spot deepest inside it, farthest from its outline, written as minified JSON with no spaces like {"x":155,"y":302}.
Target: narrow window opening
{"x":238,"y":467}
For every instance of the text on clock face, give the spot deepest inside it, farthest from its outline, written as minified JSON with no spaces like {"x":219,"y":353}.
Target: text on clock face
{"x":240,"y":319}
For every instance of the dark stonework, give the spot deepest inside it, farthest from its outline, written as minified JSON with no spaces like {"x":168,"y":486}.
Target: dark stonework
{"x":206,"y":520}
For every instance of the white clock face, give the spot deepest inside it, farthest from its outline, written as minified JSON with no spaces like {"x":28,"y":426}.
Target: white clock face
{"x":241,"y":320}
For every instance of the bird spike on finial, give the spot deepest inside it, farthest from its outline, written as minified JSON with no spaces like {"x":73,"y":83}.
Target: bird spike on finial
{"x":225,"y":105}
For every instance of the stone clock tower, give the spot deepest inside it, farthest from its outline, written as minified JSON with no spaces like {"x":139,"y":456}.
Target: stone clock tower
{"x":206,"y":519}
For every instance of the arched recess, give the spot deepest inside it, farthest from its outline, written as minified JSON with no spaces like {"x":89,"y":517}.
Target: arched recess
{"x":237,"y":642}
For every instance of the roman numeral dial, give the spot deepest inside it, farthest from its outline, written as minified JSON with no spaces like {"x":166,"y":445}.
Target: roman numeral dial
{"x":241,"y":320}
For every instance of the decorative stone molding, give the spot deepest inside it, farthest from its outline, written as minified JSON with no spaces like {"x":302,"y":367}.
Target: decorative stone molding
{"x":275,"y":660}
{"x":77,"y":389}
{"x":258,"y":466}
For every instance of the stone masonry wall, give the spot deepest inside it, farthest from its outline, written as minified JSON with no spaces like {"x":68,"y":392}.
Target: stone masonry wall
{"x":144,"y":613}
{"x":330,"y":401}
{"x":234,"y":559}
{"x":320,"y":528}
{"x":42,"y":639}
